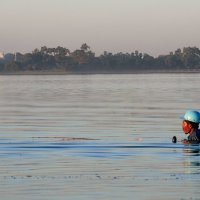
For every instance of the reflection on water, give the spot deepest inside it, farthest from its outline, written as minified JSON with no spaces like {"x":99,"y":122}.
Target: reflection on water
{"x":97,"y":137}
{"x":192,"y":150}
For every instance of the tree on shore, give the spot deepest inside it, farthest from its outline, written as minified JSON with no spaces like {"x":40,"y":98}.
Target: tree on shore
{"x":83,"y":59}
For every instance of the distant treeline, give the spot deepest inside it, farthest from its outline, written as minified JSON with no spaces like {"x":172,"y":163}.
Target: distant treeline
{"x":83,"y":60}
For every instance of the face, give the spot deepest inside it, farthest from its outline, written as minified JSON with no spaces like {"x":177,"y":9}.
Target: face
{"x":186,"y":127}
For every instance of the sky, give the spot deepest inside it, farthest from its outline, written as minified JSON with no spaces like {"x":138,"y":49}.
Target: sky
{"x":155,"y":27}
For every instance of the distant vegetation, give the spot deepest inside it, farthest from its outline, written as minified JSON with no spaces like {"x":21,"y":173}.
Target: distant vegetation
{"x":83,"y":60}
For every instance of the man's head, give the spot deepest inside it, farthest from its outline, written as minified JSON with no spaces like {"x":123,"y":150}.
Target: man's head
{"x":189,"y":127}
{"x":191,"y":121}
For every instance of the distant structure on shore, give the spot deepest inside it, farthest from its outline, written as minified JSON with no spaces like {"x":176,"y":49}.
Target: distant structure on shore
{"x":1,"y":55}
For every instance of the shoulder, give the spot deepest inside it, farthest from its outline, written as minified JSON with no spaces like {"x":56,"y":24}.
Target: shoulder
{"x":197,"y":134}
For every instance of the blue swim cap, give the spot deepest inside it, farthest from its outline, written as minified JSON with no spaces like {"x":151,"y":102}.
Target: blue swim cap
{"x":192,"y":116}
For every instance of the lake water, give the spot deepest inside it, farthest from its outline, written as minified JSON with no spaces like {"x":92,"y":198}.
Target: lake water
{"x":97,"y":137}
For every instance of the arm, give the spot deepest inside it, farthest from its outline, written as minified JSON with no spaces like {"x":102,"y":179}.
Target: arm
{"x":185,"y":141}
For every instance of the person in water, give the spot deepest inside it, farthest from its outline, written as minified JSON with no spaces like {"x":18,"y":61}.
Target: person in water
{"x":190,"y":125}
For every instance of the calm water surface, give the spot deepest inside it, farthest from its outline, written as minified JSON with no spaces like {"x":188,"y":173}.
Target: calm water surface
{"x":97,"y":137}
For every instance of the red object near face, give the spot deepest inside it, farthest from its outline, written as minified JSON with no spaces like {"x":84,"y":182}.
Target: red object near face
{"x":186,"y":127}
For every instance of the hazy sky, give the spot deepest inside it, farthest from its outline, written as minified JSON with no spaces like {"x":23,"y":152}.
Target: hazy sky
{"x":150,"y":26}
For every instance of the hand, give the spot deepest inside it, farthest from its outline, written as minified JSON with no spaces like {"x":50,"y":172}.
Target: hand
{"x":185,"y":141}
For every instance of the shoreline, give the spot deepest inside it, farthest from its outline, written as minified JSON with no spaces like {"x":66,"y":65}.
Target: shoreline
{"x":100,"y":72}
